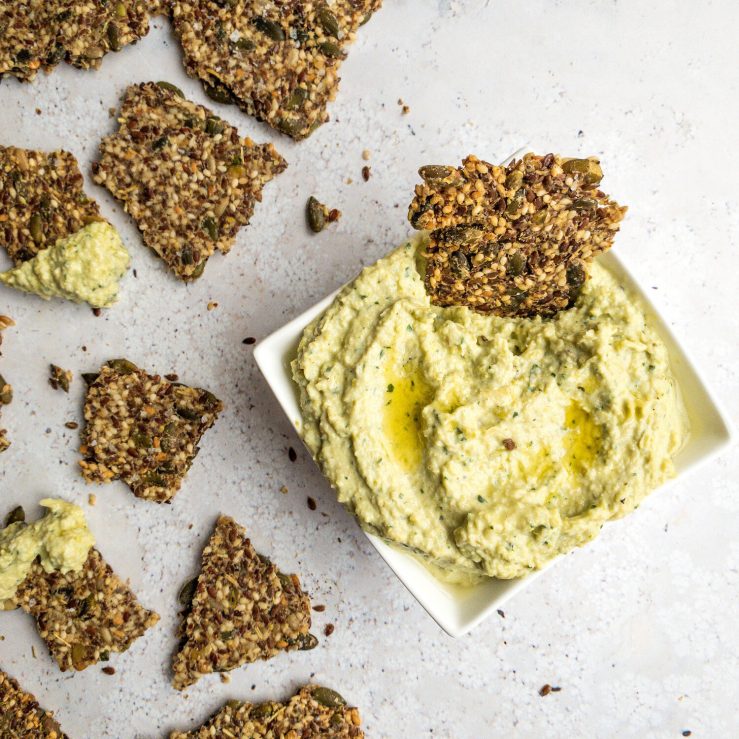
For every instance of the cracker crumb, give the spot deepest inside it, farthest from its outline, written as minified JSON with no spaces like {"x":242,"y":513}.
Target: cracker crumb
{"x":366,"y":155}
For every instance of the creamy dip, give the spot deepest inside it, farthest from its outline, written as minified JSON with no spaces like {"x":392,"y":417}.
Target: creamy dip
{"x":61,"y":541}
{"x":83,"y":267}
{"x":486,"y":445}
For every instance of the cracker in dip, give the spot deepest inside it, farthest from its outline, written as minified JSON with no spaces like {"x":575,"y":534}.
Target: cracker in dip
{"x":184,"y":175}
{"x":313,"y":711}
{"x":513,"y":240}
{"x":276,"y":61}
{"x":21,"y":716}
{"x":243,"y":609}
{"x":487,"y":445}
{"x":142,"y":429}
{"x":41,"y":200}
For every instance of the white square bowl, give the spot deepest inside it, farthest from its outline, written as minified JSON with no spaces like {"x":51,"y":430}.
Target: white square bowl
{"x":457,"y":609}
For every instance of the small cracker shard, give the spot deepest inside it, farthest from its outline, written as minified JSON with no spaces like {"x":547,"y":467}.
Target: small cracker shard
{"x":183,"y":174}
{"x":41,"y":200}
{"x":513,"y":240}
{"x":6,"y":390}
{"x":276,"y":61}
{"x":243,"y":609}
{"x":39,"y":35}
{"x":83,"y":616}
{"x":143,"y":430}
{"x":313,"y":711}
{"x":21,"y":716}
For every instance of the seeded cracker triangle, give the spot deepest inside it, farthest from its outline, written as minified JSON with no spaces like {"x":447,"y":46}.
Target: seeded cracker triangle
{"x":243,"y":609}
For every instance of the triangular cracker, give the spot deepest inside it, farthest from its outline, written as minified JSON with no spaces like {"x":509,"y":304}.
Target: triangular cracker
{"x":41,"y":200}
{"x":243,"y":609}
{"x":83,"y":616}
{"x":513,"y":240}
{"x":313,"y":711}
{"x":142,"y":429}
{"x":277,"y":61}
{"x":21,"y":717}
{"x":185,"y":176}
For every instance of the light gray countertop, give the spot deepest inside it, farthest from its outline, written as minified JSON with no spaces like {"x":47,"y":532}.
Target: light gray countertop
{"x":640,"y":628}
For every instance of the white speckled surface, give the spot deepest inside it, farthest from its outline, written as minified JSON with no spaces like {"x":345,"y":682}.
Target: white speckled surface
{"x":639,"y":629}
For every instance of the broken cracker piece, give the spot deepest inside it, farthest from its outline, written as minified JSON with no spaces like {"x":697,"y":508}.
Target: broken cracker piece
{"x":59,"y":378}
{"x":513,"y":240}
{"x":39,"y":35}
{"x":243,"y":609}
{"x":41,"y":200}
{"x":313,"y":711}
{"x":21,"y":716}
{"x":183,"y":174}
{"x":83,"y":616}
{"x":142,"y":429}
{"x":277,"y":61}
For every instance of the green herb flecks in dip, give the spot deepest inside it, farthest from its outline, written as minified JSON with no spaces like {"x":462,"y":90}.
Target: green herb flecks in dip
{"x":486,"y":445}
{"x":83,"y":267}
{"x":60,"y":539}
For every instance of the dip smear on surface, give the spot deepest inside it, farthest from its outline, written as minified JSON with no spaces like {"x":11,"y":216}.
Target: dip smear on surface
{"x":487,"y":445}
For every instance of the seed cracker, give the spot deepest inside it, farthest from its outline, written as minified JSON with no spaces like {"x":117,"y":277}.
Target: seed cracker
{"x":277,"y":61}
{"x":21,"y":716}
{"x":184,"y":175}
{"x":313,"y":711}
{"x":143,"y":430}
{"x":83,"y":616}
{"x":513,"y":240}
{"x":6,"y":390}
{"x":39,"y":35}
{"x":243,"y":609}
{"x":41,"y":200}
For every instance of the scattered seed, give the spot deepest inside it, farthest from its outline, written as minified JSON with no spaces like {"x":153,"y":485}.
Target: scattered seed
{"x":96,"y":312}
{"x":59,"y":378}
{"x":225,"y":678}
{"x":334,"y":215}
{"x":108,"y":670}
{"x":249,"y":340}
{"x":366,"y":173}
{"x":283,"y":489}
{"x":292,"y":454}
{"x":509,"y":444}
{"x":72,"y":425}
{"x":319,"y":608}
{"x":329,"y":629}
{"x":92,"y":499}
{"x":366,"y":155}
{"x":501,"y":613}
{"x":311,"y":503}
{"x":172,"y":377}
{"x":316,"y":214}
{"x":545,"y":689}
{"x":212,"y":305}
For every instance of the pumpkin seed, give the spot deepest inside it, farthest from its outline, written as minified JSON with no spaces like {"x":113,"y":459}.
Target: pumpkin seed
{"x":515,"y":203}
{"x":583,"y":204}
{"x":233,"y":704}
{"x":141,"y":440}
{"x":328,"y":21}
{"x":263,"y":710}
{"x":6,"y":392}
{"x":237,"y":171}
{"x":36,"y":227}
{"x":330,"y":49}
{"x":459,"y":264}
{"x":155,"y":479}
{"x":297,"y":97}
{"x":211,"y":228}
{"x":290,"y":126}
{"x":306,"y":642}
{"x":589,"y":169}
{"x":114,"y":36}
{"x":80,"y":656}
{"x":172,"y":88}
{"x":516,"y":264}
{"x":160,"y":143}
{"x":187,"y":592}
{"x":198,"y":270}
{"x":316,"y":215}
{"x":122,"y":366}
{"x":218,"y":92}
{"x":269,"y":28}
{"x":214,"y":126}
{"x":514,"y":179}
{"x":436,"y":172}
{"x":17,"y":515}
{"x":120,"y":10}
{"x":327,"y":697}
{"x":186,"y":255}
{"x":187,"y":413}
{"x":245,"y":44}
{"x":90,"y":377}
